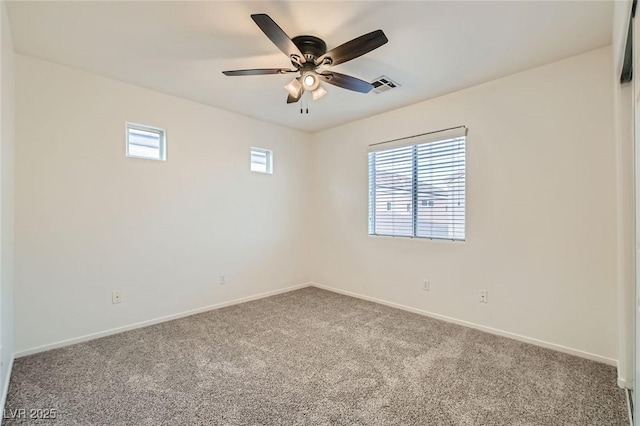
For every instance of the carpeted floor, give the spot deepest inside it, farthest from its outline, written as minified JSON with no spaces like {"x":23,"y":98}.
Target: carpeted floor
{"x":313,"y":357}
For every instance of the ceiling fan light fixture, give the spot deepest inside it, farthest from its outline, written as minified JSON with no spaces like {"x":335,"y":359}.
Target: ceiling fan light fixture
{"x":310,"y":81}
{"x":318,"y":93}
{"x":294,"y":88}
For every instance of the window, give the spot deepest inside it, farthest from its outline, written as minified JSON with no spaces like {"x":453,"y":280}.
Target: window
{"x":261,"y":160}
{"x":427,"y":175}
{"x":146,"y":142}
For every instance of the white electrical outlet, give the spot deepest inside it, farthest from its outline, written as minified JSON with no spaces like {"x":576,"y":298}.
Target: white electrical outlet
{"x":484,"y":296}
{"x":425,"y":285}
{"x":115,"y":297}
{"x":223,"y":280}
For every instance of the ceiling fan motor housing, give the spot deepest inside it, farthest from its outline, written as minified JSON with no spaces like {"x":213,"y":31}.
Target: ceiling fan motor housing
{"x":311,"y":47}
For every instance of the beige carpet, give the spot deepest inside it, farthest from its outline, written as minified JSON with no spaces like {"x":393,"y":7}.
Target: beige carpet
{"x":313,"y":357}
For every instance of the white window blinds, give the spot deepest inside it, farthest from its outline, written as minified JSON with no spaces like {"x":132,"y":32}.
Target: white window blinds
{"x":146,"y":142}
{"x":261,"y":160}
{"x":417,"y":186}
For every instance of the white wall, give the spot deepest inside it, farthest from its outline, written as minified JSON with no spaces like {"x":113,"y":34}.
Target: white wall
{"x":620,"y":27}
{"x":7,"y":116}
{"x":623,"y":107}
{"x":541,"y":218}
{"x":623,"y":131}
{"x":89,"y":220}
{"x":541,"y":209}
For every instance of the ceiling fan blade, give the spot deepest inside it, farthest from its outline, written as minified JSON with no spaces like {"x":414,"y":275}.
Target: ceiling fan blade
{"x":355,"y":48}
{"x":293,"y":99}
{"x":346,"y":81}
{"x":277,"y":36}
{"x":258,"y":71}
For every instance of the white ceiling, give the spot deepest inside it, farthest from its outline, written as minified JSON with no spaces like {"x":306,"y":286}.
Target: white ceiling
{"x":181,"y":48}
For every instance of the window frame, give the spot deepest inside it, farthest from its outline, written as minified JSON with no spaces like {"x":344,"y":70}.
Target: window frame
{"x":151,"y":129}
{"x":420,"y":140}
{"x":269,"y":162}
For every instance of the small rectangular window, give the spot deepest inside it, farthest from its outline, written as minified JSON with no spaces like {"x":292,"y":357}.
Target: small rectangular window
{"x":261,"y":160}
{"x":427,"y":175}
{"x":146,"y":142}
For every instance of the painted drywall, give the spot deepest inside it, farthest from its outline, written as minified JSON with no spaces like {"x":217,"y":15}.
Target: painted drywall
{"x":541,"y":209}
{"x":90,"y":220}
{"x":623,"y":132}
{"x":7,"y":137}
{"x":619,"y":31}
{"x":623,"y":110}
{"x":541,"y":219}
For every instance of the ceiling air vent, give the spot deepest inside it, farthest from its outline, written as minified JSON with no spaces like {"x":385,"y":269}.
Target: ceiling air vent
{"x":382,"y":84}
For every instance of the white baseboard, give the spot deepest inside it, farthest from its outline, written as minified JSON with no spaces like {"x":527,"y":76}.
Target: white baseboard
{"x":5,"y":386}
{"x":142,"y":324}
{"x":622,"y":383}
{"x":495,"y":331}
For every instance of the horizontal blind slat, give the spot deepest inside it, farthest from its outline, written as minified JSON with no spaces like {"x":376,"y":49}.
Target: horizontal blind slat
{"x":419,"y":190}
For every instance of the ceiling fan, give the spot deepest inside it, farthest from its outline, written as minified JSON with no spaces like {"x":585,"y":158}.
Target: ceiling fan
{"x":309,"y":56}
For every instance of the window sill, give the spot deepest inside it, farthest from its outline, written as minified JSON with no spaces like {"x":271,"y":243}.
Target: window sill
{"x":402,"y":237}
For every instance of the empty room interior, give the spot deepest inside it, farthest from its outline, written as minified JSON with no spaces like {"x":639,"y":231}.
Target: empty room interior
{"x":319,"y":213}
